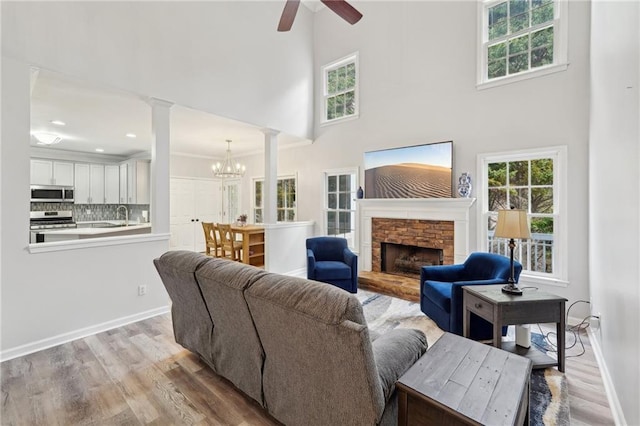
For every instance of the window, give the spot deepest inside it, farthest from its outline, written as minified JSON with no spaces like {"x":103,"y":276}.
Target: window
{"x":340,"y":208}
{"x":532,"y":181}
{"x":340,"y":89}
{"x":286,"y":200}
{"x":522,"y":38}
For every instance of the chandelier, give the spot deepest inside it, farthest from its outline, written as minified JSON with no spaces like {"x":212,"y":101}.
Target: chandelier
{"x":228,"y":168}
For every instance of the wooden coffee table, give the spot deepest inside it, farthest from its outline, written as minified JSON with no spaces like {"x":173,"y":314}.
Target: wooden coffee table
{"x":490,"y":303}
{"x":462,"y":382}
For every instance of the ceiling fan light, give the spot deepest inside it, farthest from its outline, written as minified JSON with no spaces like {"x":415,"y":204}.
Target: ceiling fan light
{"x":47,"y":138}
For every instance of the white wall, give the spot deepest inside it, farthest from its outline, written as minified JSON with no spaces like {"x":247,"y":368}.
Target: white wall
{"x":614,"y":196}
{"x":225,"y":58}
{"x":222,"y":57}
{"x":418,"y":77}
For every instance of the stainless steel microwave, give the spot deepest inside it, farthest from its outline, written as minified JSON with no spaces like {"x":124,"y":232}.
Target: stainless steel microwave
{"x":51,"y":194}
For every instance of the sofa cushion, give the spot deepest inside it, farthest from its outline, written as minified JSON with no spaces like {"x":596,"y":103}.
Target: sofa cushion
{"x":332,"y":270}
{"x":439,"y":293}
{"x":235,"y":351}
{"x":192,"y":324}
{"x":317,"y":348}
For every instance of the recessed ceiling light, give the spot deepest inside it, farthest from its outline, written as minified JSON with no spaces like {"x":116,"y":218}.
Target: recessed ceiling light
{"x":58,"y":122}
{"x":99,"y":150}
{"x":130,"y":135}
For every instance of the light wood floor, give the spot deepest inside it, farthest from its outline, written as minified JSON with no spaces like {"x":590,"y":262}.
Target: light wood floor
{"x":137,"y":374}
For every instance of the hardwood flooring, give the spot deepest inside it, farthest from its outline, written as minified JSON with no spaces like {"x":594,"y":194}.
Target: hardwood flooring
{"x":137,"y":374}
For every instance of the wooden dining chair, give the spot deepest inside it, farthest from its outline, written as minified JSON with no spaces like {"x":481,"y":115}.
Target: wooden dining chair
{"x":230,"y":247}
{"x":211,"y":240}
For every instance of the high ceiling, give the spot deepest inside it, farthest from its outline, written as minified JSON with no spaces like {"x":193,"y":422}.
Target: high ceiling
{"x":99,"y":118}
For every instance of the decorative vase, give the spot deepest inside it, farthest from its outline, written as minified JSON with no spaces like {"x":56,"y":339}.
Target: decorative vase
{"x":360,"y":193}
{"x":464,"y":185}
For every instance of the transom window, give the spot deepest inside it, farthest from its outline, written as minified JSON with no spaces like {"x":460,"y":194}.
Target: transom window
{"x":340,"y":89}
{"x":521,"y":36}
{"x":340,"y":209}
{"x":532,"y":182}
{"x":286,"y":199}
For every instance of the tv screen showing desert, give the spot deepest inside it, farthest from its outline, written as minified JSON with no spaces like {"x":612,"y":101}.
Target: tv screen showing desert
{"x":422,"y":171}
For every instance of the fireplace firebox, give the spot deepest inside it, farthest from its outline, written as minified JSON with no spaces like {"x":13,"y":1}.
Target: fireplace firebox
{"x":406,"y":260}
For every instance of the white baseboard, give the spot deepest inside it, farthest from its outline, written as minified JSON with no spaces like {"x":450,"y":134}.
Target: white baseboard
{"x":612,"y":396}
{"x":300,"y":272}
{"x":79,"y":334}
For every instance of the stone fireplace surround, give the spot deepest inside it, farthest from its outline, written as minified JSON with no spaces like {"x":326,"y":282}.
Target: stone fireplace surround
{"x":456,"y":210}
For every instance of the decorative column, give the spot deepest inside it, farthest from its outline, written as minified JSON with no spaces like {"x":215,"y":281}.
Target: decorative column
{"x":160,"y":139}
{"x":270,"y":188}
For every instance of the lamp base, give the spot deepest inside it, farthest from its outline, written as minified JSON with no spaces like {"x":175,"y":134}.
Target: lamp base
{"x":512,"y":290}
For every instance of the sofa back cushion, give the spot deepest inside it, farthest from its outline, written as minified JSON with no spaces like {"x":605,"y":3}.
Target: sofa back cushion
{"x":192,"y":325}
{"x":319,"y":367}
{"x":235,"y":350}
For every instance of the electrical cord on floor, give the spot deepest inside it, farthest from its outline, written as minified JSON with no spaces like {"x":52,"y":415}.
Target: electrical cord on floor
{"x":576,"y":330}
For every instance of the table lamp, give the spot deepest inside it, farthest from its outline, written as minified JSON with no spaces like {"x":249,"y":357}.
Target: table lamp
{"x":512,"y":224}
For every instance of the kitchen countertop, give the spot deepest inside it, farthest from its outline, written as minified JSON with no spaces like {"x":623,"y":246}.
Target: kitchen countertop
{"x":85,"y":230}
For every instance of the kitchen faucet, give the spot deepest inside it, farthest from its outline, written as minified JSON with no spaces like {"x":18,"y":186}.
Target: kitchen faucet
{"x":126,"y":214}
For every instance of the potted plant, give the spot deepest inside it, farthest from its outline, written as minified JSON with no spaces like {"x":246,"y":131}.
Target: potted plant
{"x":242,"y":220}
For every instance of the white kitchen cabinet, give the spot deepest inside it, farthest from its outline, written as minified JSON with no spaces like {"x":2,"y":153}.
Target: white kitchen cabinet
{"x":89,"y":183}
{"x":134,"y":182}
{"x":49,"y":172}
{"x":192,"y":201}
{"x":111,"y":184}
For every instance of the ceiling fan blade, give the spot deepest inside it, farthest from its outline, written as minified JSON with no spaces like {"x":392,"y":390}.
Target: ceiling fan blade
{"x":288,"y":15}
{"x":344,"y":10}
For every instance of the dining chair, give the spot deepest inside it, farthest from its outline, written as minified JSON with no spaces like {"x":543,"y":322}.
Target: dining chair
{"x":211,"y":240}
{"x":230,"y":247}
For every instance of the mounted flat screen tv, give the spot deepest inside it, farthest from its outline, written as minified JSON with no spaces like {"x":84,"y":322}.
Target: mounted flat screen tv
{"x":420,"y":171}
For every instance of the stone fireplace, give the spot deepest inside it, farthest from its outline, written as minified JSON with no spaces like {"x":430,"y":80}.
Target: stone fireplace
{"x":406,"y":260}
{"x":431,"y":223}
{"x":402,"y":246}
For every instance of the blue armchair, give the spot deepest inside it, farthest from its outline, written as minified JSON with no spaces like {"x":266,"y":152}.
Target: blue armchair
{"x":441,"y":290}
{"x":329,"y":260}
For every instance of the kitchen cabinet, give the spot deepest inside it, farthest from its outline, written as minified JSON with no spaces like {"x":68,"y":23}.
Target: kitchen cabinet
{"x":111,"y":184}
{"x":49,"y":172}
{"x":192,"y":202}
{"x":135,"y":181}
{"x":89,"y":183}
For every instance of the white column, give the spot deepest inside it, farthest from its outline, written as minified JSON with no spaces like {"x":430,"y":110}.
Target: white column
{"x":270,"y":201}
{"x":160,"y":158}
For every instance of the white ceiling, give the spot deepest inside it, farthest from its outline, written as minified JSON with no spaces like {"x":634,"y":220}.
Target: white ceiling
{"x":100,"y":118}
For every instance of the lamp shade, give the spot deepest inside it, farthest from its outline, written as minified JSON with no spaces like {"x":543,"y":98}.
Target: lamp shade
{"x":512,"y":224}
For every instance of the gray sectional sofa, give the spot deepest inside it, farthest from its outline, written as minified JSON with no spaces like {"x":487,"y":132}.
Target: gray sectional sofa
{"x":300,"y":348}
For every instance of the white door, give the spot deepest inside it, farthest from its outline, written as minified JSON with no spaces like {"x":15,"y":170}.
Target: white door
{"x":62,"y":173}
{"x":181,"y":217}
{"x":207,"y":208}
{"x":192,"y":201}
{"x":231,"y":201}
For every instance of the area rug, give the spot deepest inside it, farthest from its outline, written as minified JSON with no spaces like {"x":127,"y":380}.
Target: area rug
{"x":549,"y":398}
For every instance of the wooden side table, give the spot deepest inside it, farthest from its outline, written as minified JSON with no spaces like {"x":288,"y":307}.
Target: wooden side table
{"x":462,"y":382}
{"x":490,"y":303}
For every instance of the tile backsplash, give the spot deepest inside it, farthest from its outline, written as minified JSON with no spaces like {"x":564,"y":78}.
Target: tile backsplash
{"x":94,"y":212}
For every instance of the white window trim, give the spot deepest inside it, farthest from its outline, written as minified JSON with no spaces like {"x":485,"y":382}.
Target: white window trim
{"x":560,"y":181}
{"x":354,"y":57}
{"x":325,"y":207}
{"x":560,"y":47}
{"x":293,"y":176}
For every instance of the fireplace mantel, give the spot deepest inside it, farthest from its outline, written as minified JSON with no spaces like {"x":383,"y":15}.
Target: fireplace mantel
{"x":451,"y":209}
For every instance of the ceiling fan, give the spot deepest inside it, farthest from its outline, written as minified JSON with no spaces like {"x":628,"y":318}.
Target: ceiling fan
{"x":341,"y":7}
